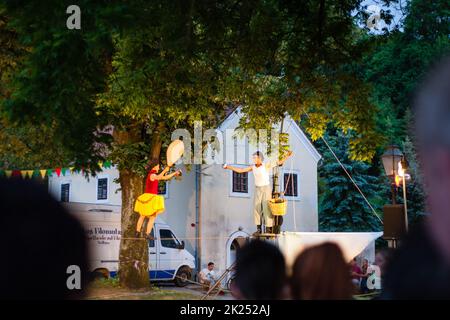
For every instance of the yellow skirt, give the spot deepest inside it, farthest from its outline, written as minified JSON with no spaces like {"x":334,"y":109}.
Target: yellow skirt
{"x":148,"y":204}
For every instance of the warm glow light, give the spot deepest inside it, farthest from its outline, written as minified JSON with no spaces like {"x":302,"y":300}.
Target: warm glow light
{"x":401,"y":172}
{"x":397,"y":180}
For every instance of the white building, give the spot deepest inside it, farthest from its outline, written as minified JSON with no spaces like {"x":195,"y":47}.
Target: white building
{"x":211,"y":207}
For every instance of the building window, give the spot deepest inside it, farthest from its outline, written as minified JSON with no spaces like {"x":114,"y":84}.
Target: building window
{"x":291,"y":184}
{"x":162,"y":188}
{"x":102,"y":189}
{"x":65,"y":192}
{"x":240,"y":182}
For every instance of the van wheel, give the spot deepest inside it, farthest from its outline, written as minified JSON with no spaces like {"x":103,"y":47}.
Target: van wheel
{"x":183,"y":276}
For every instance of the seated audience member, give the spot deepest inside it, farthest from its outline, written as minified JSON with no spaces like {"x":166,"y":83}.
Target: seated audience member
{"x":365,"y":274}
{"x":208,"y":276}
{"x":260,"y":272}
{"x":356,"y":273}
{"x":321,"y":273}
{"x":38,"y":242}
{"x":420,"y":267}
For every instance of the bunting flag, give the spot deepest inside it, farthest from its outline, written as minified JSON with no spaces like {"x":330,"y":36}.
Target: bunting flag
{"x":60,"y":171}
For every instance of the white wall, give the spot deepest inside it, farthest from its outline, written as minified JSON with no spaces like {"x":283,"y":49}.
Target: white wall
{"x":223,"y":214}
{"x":85,"y":190}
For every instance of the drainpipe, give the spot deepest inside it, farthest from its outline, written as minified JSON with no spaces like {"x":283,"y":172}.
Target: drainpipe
{"x":198,"y":201}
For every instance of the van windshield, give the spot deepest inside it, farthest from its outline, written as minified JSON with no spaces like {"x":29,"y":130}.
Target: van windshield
{"x":168,"y":239}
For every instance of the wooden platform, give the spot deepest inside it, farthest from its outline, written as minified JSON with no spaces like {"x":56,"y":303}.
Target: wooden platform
{"x":265,"y":236}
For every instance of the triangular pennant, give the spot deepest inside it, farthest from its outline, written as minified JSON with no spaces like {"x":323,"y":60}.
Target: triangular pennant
{"x":100,"y":164}
{"x":43,"y":172}
{"x":23,"y":173}
{"x":8,"y":173}
{"x":63,"y":171}
{"x":58,"y":171}
{"x":71,"y":169}
{"x":35,"y":173}
{"x":49,"y":172}
{"x":107,"y":164}
{"x":29,"y":173}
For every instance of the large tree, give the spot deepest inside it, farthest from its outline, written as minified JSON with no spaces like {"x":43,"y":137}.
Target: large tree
{"x":148,"y":67}
{"x":342,"y":207}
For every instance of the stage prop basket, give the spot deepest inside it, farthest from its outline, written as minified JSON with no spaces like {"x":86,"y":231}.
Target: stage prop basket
{"x":278,"y":206}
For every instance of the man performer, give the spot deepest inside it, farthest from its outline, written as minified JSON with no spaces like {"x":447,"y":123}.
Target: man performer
{"x":263,"y":191}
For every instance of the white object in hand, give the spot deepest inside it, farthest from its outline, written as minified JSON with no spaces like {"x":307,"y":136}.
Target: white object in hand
{"x":174,"y":151}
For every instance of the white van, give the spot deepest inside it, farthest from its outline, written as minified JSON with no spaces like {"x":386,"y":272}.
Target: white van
{"x":168,"y":258}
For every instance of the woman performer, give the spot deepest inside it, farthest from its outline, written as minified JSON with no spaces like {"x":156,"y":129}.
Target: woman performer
{"x":150,"y":204}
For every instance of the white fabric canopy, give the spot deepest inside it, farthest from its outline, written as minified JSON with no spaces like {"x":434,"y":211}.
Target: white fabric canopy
{"x":351,"y":243}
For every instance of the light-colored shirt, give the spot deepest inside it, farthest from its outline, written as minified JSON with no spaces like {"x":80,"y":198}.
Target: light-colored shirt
{"x":208,"y":275}
{"x":261,"y":174}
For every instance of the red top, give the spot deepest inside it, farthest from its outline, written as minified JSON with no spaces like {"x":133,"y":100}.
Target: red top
{"x":356,"y":269}
{"x":151,"y":186}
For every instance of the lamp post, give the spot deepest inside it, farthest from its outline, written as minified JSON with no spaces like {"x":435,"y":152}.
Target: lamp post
{"x":391,"y":158}
{"x":402,"y":167}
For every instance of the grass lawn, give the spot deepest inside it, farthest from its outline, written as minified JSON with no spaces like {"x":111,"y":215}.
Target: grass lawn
{"x":109,"y":289}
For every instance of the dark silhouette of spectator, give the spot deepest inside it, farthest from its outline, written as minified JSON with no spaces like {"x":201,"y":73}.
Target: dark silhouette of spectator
{"x":321,"y":273}
{"x":39,"y":240}
{"x":420,"y":268}
{"x":382,"y":259}
{"x":260,"y":272}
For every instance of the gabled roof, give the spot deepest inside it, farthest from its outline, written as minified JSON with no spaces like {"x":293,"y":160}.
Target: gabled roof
{"x":293,"y":124}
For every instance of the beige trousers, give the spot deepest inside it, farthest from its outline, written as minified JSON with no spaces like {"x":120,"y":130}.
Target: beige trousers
{"x":261,"y":211}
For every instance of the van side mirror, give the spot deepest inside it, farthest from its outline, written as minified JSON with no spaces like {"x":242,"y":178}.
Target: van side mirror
{"x":181,"y":246}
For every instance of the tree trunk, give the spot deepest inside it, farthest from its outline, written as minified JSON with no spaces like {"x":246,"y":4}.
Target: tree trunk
{"x":133,"y":255}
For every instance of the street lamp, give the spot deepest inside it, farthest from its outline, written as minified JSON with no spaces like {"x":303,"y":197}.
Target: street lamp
{"x":391,"y":158}
{"x":396,"y":216}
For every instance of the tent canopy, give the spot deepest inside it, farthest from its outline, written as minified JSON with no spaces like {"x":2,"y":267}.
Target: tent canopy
{"x":351,"y":243}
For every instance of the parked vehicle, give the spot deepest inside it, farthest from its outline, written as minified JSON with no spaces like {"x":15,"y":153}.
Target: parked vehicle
{"x":168,"y":258}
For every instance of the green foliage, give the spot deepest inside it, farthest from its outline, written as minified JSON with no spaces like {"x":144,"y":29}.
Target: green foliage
{"x":414,"y":187}
{"x":341,"y":206}
{"x":394,"y":71}
{"x":401,"y":60}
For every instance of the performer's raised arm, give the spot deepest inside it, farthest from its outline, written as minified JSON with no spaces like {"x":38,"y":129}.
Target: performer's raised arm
{"x":237,"y":170}
{"x":171,"y":175}
{"x":287,"y":156}
{"x":164,"y":176}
